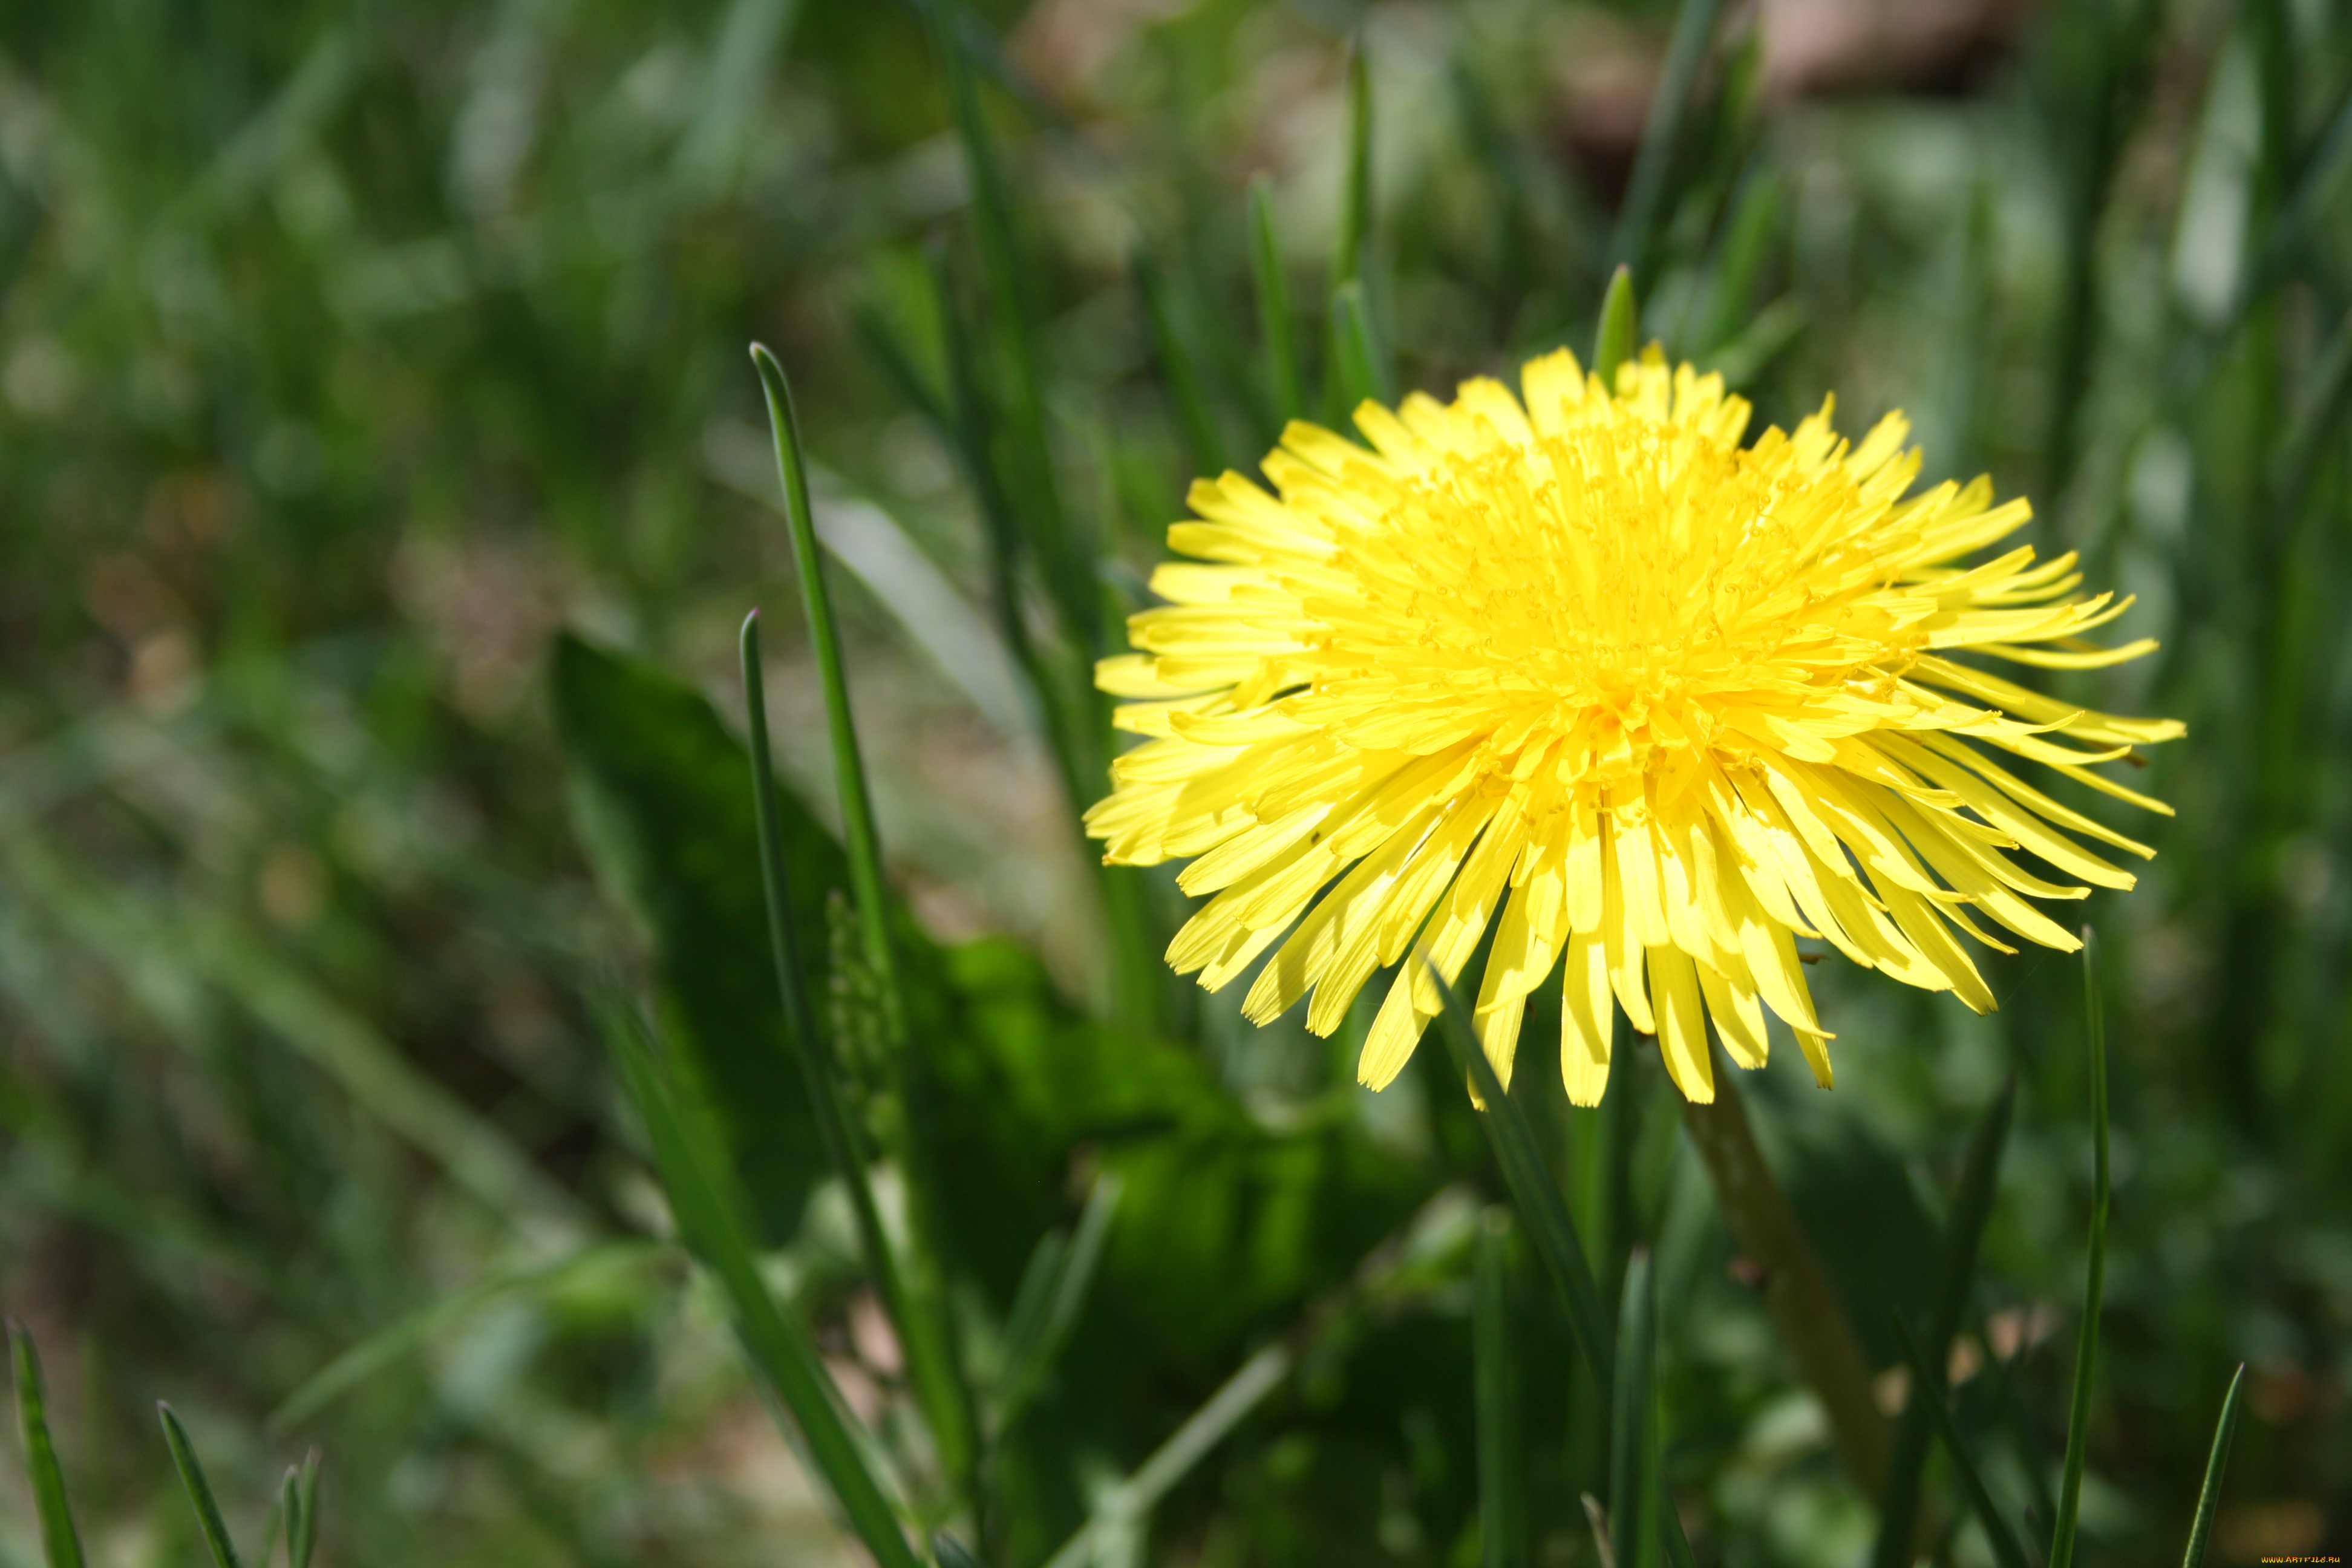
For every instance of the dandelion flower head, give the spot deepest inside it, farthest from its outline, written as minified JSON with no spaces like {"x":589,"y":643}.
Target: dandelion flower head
{"x":1579,"y":666}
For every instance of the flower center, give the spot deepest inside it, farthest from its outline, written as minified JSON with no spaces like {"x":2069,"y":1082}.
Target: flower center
{"x":1620,"y":588}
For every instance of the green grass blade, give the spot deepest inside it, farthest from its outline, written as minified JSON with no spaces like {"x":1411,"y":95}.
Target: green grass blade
{"x":1360,"y":367}
{"x":274,"y":1522}
{"x":200,"y":1490}
{"x":1612,"y":345}
{"x":2086,"y":1350}
{"x":1043,"y":1317}
{"x":711,"y":1221}
{"x":60,"y":1545}
{"x":1645,"y":190}
{"x":304,"y":1534}
{"x":409,"y":1332}
{"x":1286,"y":383}
{"x":859,"y":834}
{"x":1356,"y":195}
{"x":1069,"y":574}
{"x":950,"y":1552}
{"x":1927,"y":1391}
{"x":1134,"y":1499}
{"x":1899,"y":1507}
{"x":1186,"y":389}
{"x":2209,"y":1496}
{"x":1731,"y":291}
{"x":290,"y":1508}
{"x":1541,"y":1210}
{"x":948,"y":1406}
{"x":1501,"y":1527}
{"x":1629,"y":1484}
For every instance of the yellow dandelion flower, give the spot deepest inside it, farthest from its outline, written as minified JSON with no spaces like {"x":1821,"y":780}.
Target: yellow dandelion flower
{"x":1582,"y":667}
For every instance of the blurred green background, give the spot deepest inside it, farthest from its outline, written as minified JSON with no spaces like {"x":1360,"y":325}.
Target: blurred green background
{"x":351,"y":352}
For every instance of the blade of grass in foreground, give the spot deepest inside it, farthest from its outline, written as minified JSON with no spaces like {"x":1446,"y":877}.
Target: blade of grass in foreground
{"x":1544,"y":1213}
{"x":858,"y":831}
{"x":1630,"y":1520}
{"x":1898,"y":1510}
{"x":200,"y":1490}
{"x":2209,"y":1496}
{"x":2086,"y":1350}
{"x":304,"y":1533}
{"x":1928,"y":1392}
{"x":711,"y":1222}
{"x":947,"y":1404}
{"x":1529,"y":1180}
{"x":1500,"y":1532}
{"x":60,"y":1545}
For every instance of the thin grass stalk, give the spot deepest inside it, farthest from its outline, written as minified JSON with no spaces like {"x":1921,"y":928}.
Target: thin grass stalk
{"x":1359,"y":360}
{"x":1631,"y":1515}
{"x":1133,"y":1499}
{"x":1286,"y":383}
{"x":60,"y":1542}
{"x":1928,"y":1392}
{"x":710,"y":1219}
{"x":1356,"y":195}
{"x":2217,"y":1463}
{"x":1351,"y":370}
{"x":938,"y":1385}
{"x":859,"y":834}
{"x":1806,"y":1309}
{"x":2086,"y":1350}
{"x":1899,"y":1507}
{"x":1529,"y":1182}
{"x":1186,"y":389}
{"x":304,"y":1535}
{"x":1069,"y":576}
{"x":1653,"y":161}
{"x":1501,"y":1528}
{"x":200,"y":1490}
{"x":971,"y":434}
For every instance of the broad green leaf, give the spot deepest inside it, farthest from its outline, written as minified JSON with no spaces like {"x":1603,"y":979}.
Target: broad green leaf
{"x":658,"y":795}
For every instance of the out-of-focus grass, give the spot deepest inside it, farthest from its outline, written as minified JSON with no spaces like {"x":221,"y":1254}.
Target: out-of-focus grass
{"x":347,"y":351}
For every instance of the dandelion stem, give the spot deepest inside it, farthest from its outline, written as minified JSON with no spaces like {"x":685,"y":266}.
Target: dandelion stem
{"x":1811,"y":1320}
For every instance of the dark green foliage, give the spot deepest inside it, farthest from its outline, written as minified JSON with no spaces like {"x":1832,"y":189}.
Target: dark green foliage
{"x":349,"y":354}
{"x":656,"y":784}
